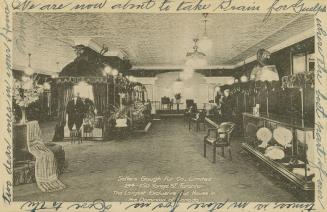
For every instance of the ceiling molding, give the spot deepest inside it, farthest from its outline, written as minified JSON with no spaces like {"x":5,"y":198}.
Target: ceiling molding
{"x":162,"y":44}
{"x":269,"y":35}
{"x":292,"y":40}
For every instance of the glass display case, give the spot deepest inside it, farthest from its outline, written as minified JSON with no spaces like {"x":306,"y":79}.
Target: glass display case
{"x":284,"y":144}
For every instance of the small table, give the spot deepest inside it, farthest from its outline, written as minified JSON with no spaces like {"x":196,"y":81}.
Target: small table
{"x":180,"y":103}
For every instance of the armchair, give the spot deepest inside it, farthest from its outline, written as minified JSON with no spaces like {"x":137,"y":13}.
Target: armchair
{"x":219,"y":137}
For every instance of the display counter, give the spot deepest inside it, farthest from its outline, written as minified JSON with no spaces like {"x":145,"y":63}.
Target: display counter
{"x":284,"y":144}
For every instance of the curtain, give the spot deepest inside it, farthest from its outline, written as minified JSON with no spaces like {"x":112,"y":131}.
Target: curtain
{"x":65,"y":93}
{"x":100,"y":99}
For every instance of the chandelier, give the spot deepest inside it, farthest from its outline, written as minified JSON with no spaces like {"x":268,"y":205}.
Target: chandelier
{"x":195,"y":59}
{"x":205,"y":43}
{"x":178,"y":85}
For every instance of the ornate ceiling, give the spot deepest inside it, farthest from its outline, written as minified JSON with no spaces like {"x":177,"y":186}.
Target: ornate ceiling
{"x":149,"y":40}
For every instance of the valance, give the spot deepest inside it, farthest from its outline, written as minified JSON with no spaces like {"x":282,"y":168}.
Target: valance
{"x":74,"y":80}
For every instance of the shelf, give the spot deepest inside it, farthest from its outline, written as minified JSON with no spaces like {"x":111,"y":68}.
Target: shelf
{"x":300,"y":183}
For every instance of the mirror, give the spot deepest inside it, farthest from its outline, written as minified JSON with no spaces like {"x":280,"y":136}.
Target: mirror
{"x":299,"y":63}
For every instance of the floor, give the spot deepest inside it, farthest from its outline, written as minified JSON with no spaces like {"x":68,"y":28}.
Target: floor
{"x":96,"y":170}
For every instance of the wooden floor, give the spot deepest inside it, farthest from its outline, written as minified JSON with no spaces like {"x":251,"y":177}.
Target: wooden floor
{"x":168,"y":149}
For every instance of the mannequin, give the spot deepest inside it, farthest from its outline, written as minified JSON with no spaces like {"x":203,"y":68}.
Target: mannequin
{"x":75,"y":110}
{"x":263,"y":71}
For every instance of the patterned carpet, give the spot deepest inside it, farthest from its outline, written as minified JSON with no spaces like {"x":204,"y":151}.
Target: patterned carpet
{"x":168,"y":149}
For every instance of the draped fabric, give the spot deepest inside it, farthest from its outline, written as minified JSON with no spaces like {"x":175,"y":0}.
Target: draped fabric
{"x":100,"y":99}
{"x":45,"y":165}
{"x":65,"y":93}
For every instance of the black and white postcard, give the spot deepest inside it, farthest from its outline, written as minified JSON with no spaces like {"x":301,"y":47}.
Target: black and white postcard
{"x":163,"y":105}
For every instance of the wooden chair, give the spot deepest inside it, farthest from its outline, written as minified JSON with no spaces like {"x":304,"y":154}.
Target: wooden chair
{"x":198,"y":120}
{"x":219,"y":137}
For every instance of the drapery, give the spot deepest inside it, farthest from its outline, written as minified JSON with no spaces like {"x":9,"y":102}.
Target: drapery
{"x":100,"y":99}
{"x":45,"y":165}
{"x":65,"y":93}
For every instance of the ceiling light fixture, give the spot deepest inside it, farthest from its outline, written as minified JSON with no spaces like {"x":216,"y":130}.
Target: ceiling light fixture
{"x":244,"y":78}
{"x":29,"y":71}
{"x":195,"y":59}
{"x":178,"y":84}
{"x":55,"y":75}
{"x":205,"y":43}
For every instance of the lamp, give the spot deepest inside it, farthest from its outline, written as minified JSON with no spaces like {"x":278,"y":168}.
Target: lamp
{"x":29,"y":71}
{"x":195,"y":59}
{"x":46,"y":86}
{"x":177,"y":86}
{"x":114,"y":72}
{"x":25,"y":78}
{"x":107,"y":70}
{"x":55,"y":75}
{"x":205,"y":42}
{"x":244,"y":78}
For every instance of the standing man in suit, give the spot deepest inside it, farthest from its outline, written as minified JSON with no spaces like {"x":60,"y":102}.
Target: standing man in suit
{"x":75,"y":110}
{"x":227,"y":107}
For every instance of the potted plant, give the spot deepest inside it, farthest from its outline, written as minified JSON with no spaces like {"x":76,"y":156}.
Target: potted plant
{"x":25,"y":93}
{"x":178,"y":98}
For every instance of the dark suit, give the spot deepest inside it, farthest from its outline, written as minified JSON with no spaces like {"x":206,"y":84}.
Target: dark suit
{"x":75,"y":111}
{"x":227,"y":107}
